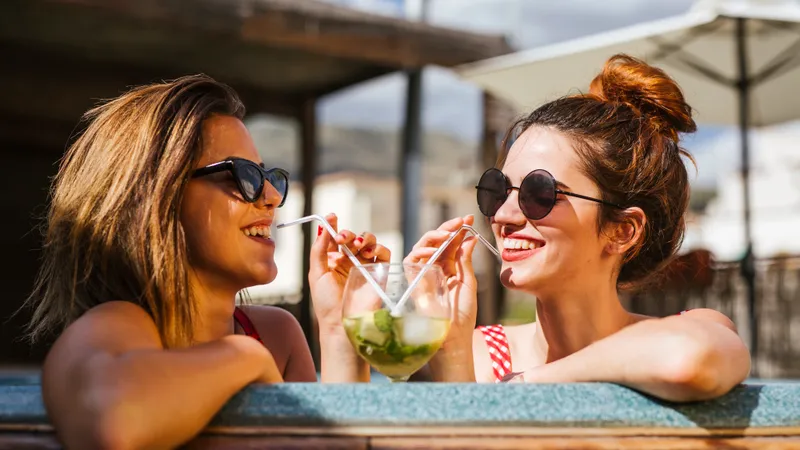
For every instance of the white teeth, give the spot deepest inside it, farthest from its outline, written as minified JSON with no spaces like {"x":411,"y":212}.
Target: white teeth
{"x":519,"y":244}
{"x":262,"y":231}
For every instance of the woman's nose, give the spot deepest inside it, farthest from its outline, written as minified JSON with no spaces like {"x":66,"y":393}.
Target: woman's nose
{"x":270,"y":196}
{"x":509,"y":212}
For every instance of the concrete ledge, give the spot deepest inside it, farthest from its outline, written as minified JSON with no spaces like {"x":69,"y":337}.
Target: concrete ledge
{"x":753,"y":409}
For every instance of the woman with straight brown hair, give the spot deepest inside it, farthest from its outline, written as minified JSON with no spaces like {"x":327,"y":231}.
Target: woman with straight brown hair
{"x":160,"y":214}
{"x":588,"y":198}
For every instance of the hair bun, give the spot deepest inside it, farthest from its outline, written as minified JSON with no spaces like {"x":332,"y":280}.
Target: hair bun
{"x":648,"y":90}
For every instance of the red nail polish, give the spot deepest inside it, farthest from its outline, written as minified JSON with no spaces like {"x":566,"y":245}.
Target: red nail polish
{"x":319,"y":230}
{"x":359,"y":239}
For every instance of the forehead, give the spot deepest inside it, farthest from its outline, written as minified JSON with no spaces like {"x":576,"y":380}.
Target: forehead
{"x":224,"y":136}
{"x":542,"y":148}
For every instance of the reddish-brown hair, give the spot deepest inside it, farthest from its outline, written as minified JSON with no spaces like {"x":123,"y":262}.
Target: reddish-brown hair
{"x":626,"y":131}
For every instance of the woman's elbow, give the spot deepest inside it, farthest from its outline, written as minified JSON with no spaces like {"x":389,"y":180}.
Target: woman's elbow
{"x":109,"y":433}
{"x":701,"y":371}
{"x":106,"y":424}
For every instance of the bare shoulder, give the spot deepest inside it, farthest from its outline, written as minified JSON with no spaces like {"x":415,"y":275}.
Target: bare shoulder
{"x":270,"y":318}
{"x":112,"y":326}
{"x":517,"y":333}
{"x":523,"y":355}
{"x":278,"y":328}
{"x":102,"y":333}
{"x":710,"y":315}
{"x":701,"y":314}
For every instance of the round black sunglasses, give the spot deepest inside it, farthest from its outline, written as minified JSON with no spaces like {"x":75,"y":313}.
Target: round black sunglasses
{"x":536,"y":194}
{"x":249,"y":177}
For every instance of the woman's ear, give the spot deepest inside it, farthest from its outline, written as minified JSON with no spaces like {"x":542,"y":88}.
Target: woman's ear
{"x":626,"y":233}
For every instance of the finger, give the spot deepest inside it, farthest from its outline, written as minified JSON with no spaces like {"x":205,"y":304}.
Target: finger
{"x":450,"y":252}
{"x":419,"y":255}
{"x":464,"y":258}
{"x":452,"y":224}
{"x":376,"y":253}
{"x":333,"y":220}
{"x":433,"y":238}
{"x":469,"y":219}
{"x":347,"y":238}
{"x":365,"y":241}
{"x":456,"y":223}
{"x":319,"y":249}
{"x":340,"y":263}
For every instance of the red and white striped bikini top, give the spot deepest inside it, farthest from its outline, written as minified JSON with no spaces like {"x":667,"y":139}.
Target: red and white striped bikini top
{"x":499,"y":352}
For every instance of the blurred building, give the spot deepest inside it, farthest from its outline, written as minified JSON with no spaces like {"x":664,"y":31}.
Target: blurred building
{"x":775,"y":196}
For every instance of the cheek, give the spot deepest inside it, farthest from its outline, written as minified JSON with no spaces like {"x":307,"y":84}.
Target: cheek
{"x":574,"y":237}
{"x":211,"y":223}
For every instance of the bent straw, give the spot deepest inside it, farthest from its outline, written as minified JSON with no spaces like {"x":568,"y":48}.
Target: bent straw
{"x":346,"y":251}
{"x":399,"y":306}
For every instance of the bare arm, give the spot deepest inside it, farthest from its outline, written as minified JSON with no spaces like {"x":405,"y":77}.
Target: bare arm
{"x":109,"y":383}
{"x":696,"y":356}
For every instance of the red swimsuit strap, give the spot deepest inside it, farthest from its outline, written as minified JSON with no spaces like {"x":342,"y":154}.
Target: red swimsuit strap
{"x":249,"y":329}
{"x":499,"y":352}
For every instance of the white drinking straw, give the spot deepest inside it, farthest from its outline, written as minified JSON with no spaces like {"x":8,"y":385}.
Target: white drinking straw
{"x":399,"y":307}
{"x":347,"y":252}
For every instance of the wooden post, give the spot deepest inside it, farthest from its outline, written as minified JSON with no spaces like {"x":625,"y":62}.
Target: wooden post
{"x":490,"y":289}
{"x":497,"y":116}
{"x":308,"y":164}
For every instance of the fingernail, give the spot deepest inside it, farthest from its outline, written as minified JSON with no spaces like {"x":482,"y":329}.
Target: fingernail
{"x":319,"y":230}
{"x":369,"y":250}
{"x":359,"y":239}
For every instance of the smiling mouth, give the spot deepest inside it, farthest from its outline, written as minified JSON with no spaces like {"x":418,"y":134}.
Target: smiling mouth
{"x":259,"y":231}
{"x":521,"y":244}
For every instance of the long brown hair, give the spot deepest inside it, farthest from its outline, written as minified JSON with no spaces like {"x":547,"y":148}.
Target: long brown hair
{"x":113,"y":230}
{"x":627,"y":135}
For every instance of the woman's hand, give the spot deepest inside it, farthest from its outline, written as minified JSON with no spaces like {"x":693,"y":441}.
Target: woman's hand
{"x":330,"y":267}
{"x":327,"y":277}
{"x":454,"y":362}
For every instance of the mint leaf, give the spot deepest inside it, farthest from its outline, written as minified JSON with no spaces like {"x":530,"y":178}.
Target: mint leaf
{"x":383,"y":320}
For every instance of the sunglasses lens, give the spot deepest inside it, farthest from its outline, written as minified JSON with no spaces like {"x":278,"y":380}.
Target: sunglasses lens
{"x":492,"y":192}
{"x":250,"y":180}
{"x":279,"y":181}
{"x":537,"y":194}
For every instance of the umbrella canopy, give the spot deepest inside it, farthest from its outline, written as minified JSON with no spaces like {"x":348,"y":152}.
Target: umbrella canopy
{"x":737,"y":61}
{"x":698,"y":49}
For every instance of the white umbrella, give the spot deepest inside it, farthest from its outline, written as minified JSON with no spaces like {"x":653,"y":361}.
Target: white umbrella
{"x":738,"y":62}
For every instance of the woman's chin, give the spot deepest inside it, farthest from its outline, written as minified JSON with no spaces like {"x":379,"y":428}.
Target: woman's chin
{"x":524,"y":279}
{"x":264,"y":275}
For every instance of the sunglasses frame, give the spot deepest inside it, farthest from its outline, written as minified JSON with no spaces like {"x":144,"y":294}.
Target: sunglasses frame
{"x":233,"y":165}
{"x":556,"y":191}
